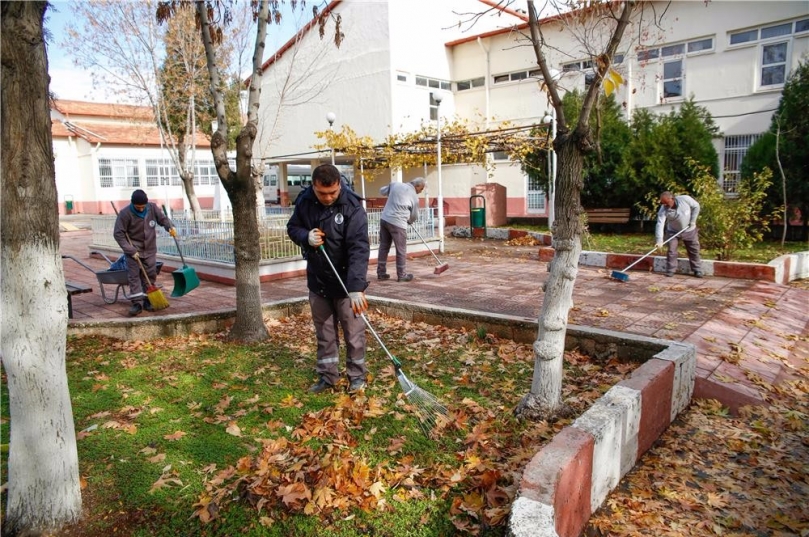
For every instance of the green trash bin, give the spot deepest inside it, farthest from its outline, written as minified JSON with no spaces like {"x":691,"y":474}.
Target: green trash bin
{"x":68,"y":204}
{"x":478,"y":217}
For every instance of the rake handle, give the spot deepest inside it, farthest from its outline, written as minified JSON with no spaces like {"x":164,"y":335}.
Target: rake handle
{"x":393,"y":359}
{"x":142,"y":268}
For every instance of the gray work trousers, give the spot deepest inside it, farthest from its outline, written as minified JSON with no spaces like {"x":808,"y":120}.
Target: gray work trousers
{"x":691,"y":241}
{"x":389,"y":233}
{"x":327,"y":314}
{"x":137,"y":283}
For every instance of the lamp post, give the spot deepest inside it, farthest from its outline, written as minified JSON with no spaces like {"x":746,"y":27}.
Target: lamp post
{"x":437,"y":97}
{"x":331,"y":117}
{"x":550,"y":118}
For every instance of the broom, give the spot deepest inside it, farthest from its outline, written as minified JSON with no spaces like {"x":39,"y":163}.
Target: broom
{"x":428,"y":408}
{"x":441,"y":267}
{"x":622,"y":276}
{"x":153,"y":293}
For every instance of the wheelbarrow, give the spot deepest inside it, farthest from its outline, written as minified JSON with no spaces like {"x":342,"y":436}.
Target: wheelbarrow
{"x":112,"y":276}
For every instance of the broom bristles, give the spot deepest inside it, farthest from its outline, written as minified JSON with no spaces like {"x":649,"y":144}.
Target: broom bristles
{"x":441,"y":268}
{"x":157,"y":299}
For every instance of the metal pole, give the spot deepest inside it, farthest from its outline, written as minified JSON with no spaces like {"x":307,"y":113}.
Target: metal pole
{"x":440,"y":186}
{"x":552,"y":193}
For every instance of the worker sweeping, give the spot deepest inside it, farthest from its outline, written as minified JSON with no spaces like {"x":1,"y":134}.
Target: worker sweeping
{"x":678,"y":216}
{"x":136,"y":233}
{"x":401,"y":210}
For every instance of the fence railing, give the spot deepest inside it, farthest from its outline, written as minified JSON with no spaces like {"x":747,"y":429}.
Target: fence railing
{"x":211,"y":239}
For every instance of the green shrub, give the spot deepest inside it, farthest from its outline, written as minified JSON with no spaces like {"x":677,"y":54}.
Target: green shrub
{"x":727,"y":225}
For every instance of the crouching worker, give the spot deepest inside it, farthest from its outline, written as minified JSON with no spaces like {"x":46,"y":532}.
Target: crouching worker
{"x":329,"y":215}
{"x":139,"y":221}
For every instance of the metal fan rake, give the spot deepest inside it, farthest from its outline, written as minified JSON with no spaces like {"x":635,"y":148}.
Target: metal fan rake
{"x":427,"y":407}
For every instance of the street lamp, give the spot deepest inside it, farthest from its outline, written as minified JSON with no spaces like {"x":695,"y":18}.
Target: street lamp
{"x":331,"y":117}
{"x":437,"y":97}
{"x":550,"y":118}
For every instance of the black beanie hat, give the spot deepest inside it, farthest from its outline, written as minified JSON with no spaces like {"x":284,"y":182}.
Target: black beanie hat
{"x":139,"y":197}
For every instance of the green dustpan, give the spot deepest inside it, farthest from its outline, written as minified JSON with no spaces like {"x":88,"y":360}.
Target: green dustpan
{"x":185,"y":279}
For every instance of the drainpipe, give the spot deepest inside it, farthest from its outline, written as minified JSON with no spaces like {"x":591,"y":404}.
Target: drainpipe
{"x":486,"y":89}
{"x":488,"y":77}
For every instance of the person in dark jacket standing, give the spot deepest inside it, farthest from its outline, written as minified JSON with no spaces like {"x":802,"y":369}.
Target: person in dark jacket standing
{"x":330,"y":215}
{"x":139,"y":220}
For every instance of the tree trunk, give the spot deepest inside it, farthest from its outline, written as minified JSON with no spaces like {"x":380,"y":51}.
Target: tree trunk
{"x":545,"y":398}
{"x":191,"y":194}
{"x":249,"y":324}
{"x":43,"y":471}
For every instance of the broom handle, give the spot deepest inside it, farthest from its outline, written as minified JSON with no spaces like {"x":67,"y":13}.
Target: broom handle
{"x":653,"y":250}
{"x":142,"y":268}
{"x":425,"y":243}
{"x":176,"y":243}
{"x":393,"y":359}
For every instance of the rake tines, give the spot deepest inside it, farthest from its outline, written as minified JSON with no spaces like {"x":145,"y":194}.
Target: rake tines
{"x":428,"y":408}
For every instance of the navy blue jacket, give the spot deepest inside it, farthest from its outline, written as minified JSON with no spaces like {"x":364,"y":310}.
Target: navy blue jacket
{"x":345,"y":224}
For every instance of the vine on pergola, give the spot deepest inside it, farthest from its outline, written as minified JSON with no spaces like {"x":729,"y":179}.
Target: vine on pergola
{"x":459,"y":145}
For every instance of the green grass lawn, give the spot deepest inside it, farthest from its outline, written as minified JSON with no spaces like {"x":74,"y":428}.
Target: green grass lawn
{"x":196,"y":436}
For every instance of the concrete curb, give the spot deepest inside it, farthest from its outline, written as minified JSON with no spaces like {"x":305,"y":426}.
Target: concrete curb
{"x":783,"y":269}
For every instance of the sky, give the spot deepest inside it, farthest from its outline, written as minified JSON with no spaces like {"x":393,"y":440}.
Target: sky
{"x":72,"y":83}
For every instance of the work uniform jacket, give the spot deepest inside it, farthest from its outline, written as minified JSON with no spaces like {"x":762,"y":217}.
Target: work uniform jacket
{"x":672,"y":220}
{"x":345,"y":224}
{"x":142,"y":231}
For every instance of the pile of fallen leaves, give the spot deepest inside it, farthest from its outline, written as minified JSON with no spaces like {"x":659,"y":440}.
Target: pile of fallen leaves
{"x":525,"y":240}
{"x":714,"y":474}
{"x":314,"y":467}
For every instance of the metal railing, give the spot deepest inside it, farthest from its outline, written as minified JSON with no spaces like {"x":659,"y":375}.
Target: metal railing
{"x":211,"y":239}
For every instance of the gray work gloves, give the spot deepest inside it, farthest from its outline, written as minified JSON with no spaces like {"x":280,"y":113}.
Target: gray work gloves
{"x":358,"y":303}
{"x":316,"y":238}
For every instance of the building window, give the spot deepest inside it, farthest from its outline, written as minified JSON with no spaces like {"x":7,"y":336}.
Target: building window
{"x":433,"y":108}
{"x":159,"y":172}
{"x":673,"y":79}
{"x":701,"y":45}
{"x":205,"y":172}
{"x":735,"y":149}
{"x":744,"y":37}
{"x":463,"y":85}
{"x":500,"y":155}
{"x":401,"y":77}
{"x":774,"y":63}
{"x":433,"y":83}
{"x":802,"y":26}
{"x":118,"y":172}
{"x":776,"y":31}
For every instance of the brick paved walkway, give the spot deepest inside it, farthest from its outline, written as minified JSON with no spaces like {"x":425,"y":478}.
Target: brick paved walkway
{"x":745,"y":331}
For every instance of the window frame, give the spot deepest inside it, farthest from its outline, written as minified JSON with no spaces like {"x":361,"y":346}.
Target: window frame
{"x":784,"y":64}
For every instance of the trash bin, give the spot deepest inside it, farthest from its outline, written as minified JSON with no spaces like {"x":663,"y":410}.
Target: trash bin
{"x":478,"y":217}
{"x":68,"y":204}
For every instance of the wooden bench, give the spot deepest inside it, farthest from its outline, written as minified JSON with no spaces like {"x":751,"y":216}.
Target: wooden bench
{"x":74,"y":289}
{"x":607,"y":216}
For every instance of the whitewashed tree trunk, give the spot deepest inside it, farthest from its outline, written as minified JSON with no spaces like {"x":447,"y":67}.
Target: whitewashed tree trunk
{"x":545,"y":398}
{"x":43,"y":472}
{"x":571,"y":144}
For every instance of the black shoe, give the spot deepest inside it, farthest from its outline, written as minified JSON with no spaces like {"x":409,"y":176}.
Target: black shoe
{"x":383,"y":276}
{"x":698,"y":274}
{"x":669,"y":274}
{"x":406,"y":278}
{"x":148,"y":306}
{"x":135,"y":309}
{"x":356,"y":385}
{"x":320,"y":386}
